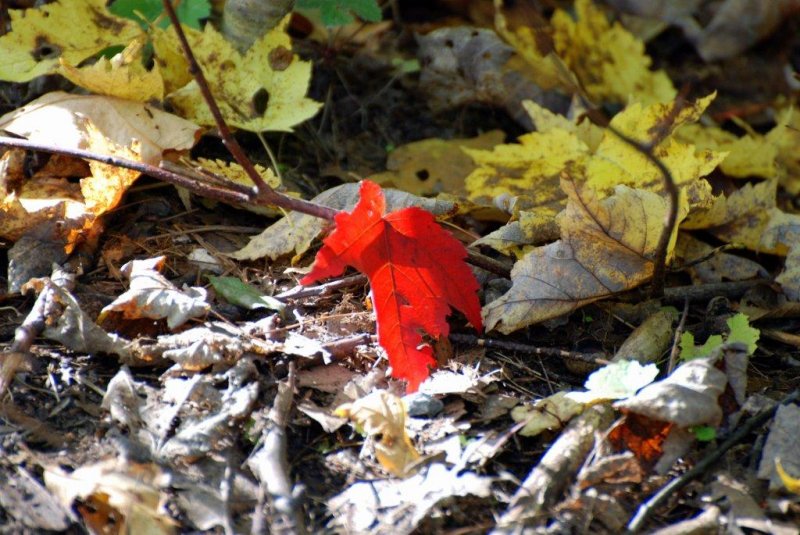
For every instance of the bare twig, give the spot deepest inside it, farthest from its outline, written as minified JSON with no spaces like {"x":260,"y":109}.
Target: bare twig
{"x":702,"y":292}
{"x":322,"y":289}
{"x":550,"y":477}
{"x":592,"y":358}
{"x":271,"y":467}
{"x":647,"y":508}
{"x":487,"y":263}
{"x":660,"y":131}
{"x":264,"y":192}
{"x":46,"y":307}
{"x":232,"y":192}
{"x":673,"y":354}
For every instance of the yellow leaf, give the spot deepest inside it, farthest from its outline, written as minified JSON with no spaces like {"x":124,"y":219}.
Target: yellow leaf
{"x":103,"y":190}
{"x":546,"y":121}
{"x":749,"y":217}
{"x":434,"y":165}
{"x":530,"y":167}
{"x":234,"y":172}
{"x":263,"y":90}
{"x":169,"y":56}
{"x":103,"y":125}
{"x":70,"y":30}
{"x":544,"y":67}
{"x":749,"y":155}
{"x":788,"y":141}
{"x":606,"y":246}
{"x":792,"y":484}
{"x":616,"y":162}
{"x":382,"y":416}
{"x":123,"y":76}
{"x":609,"y":61}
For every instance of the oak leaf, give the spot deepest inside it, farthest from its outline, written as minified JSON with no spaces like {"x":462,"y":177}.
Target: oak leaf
{"x":416,"y":271}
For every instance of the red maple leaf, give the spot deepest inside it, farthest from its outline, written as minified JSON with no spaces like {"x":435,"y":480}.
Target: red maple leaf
{"x":416,"y":271}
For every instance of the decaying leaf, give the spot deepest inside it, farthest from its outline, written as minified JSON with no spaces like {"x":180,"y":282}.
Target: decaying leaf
{"x":718,"y":265}
{"x":151,"y":295}
{"x":116,"y":494}
{"x":382,"y":417}
{"x":550,"y":413}
{"x":462,"y":65}
{"x":688,"y":397}
{"x":42,"y":36}
{"x":781,"y":444}
{"x":264,"y":89}
{"x":606,"y":247}
{"x":396,"y":507}
{"x":749,"y":217}
{"x":74,"y":328}
{"x":295,"y":232}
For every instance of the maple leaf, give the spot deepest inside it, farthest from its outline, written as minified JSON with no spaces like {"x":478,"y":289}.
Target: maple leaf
{"x":416,"y":271}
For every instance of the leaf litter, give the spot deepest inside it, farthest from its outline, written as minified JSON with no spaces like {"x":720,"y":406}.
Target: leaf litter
{"x":169,"y":370}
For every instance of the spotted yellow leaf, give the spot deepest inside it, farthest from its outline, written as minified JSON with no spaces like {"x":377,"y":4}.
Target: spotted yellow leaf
{"x":72,"y":30}
{"x":123,"y":76}
{"x":264,"y":89}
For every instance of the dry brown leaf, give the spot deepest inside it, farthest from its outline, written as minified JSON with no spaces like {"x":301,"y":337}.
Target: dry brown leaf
{"x":383,"y":417}
{"x":61,"y":119}
{"x":117,"y":496}
{"x":152,"y":296}
{"x":606,"y":247}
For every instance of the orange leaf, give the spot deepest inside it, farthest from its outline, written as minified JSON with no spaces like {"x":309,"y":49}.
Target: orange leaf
{"x":416,"y":271}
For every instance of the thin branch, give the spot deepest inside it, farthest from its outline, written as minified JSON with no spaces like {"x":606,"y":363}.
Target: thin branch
{"x":646,"y":509}
{"x":660,"y":131}
{"x":231,"y":193}
{"x":271,"y":466}
{"x":265,"y":192}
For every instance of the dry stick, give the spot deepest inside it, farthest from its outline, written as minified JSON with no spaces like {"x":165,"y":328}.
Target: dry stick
{"x":592,"y":358}
{"x":46,"y":307}
{"x":272,"y":468}
{"x":322,"y":290}
{"x":546,"y":482}
{"x":233,"y":192}
{"x":264,"y":192}
{"x":647,"y":509}
{"x":670,"y":220}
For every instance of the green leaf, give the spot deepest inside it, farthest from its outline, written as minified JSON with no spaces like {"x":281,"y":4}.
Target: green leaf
{"x":244,"y":295}
{"x":704,"y":433}
{"x":340,"y":12}
{"x":618,"y":380}
{"x":690,"y":351}
{"x":742,"y":332}
{"x":190,"y":12}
